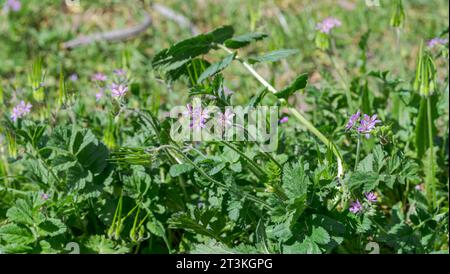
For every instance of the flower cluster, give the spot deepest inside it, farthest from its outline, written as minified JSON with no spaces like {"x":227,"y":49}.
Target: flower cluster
{"x":357,"y":207}
{"x":20,"y":110}
{"x":13,"y":5}
{"x":437,"y":42}
{"x":118,"y":87}
{"x":198,"y":116}
{"x":225,"y":119}
{"x":328,"y":24}
{"x":118,"y":90}
{"x":366,"y":124}
{"x":100,"y":77}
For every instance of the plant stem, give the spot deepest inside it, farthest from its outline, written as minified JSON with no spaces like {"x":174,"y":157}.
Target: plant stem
{"x":259,"y":172}
{"x":293,"y":111}
{"x":430,"y":155}
{"x":358,"y":147}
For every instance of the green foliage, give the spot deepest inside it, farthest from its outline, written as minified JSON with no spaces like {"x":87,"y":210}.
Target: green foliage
{"x":85,"y":171}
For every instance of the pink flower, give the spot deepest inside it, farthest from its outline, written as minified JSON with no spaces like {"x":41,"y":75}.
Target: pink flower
{"x":367,"y":124}
{"x":328,"y":24}
{"x":118,"y":90}
{"x":20,"y":110}
{"x":99,"y":95}
{"x":371,"y":197}
{"x":13,"y":5}
{"x":120,"y":72}
{"x":197,"y":116}
{"x":355,"y":207}
{"x":437,"y":41}
{"x":73,"y":77}
{"x":353,"y":119}
{"x":99,"y":77}
{"x":45,"y":196}
{"x":226,"y":119}
{"x":283,"y":120}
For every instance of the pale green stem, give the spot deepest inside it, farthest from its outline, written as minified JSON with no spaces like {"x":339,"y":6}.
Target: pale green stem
{"x":358,"y":148}
{"x":431,"y":152}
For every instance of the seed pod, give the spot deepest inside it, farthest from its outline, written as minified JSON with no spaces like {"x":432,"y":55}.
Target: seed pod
{"x":398,"y":15}
{"x":36,"y":78}
{"x":425,"y":81}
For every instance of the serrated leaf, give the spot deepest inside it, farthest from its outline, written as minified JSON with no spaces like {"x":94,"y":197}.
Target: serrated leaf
{"x":234,"y":209}
{"x":51,"y":227}
{"x":320,"y":236}
{"x":192,"y":47}
{"x":101,"y":245}
{"x":294,"y":181}
{"x":299,"y":83}
{"x":367,"y":181}
{"x":21,"y":212}
{"x":216,"y":67}
{"x":244,"y":40}
{"x":15,"y":234}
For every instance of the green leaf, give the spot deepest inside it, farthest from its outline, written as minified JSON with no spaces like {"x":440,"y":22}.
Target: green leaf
{"x":138,"y":184}
{"x":178,"y":169}
{"x":234,"y":209}
{"x":308,"y":246}
{"x":299,"y":83}
{"x":320,"y":236}
{"x":367,"y":181}
{"x":51,"y":227}
{"x":156,"y":228}
{"x":295,"y":182}
{"x":244,"y":40}
{"x":15,"y":234}
{"x":21,"y":213}
{"x":222,"y":34}
{"x":101,"y":245}
{"x":257,"y":98}
{"x":92,"y":154}
{"x":273,"y":56}
{"x":216,"y":67}
{"x":191,"y":48}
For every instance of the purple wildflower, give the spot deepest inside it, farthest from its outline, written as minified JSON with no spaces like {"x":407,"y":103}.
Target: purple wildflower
{"x":367,"y":124}
{"x":13,"y":5}
{"x":225,"y":119}
{"x":371,"y":197}
{"x":99,"y":95}
{"x":227,"y":91}
{"x":99,"y":77}
{"x":353,"y":119}
{"x":120,"y":72}
{"x":20,"y":110}
{"x":283,"y":120}
{"x":118,"y":90}
{"x":355,"y":207}
{"x":328,"y":24}
{"x":197,"y":115}
{"x":73,"y":77}
{"x":45,"y":196}
{"x":437,"y":41}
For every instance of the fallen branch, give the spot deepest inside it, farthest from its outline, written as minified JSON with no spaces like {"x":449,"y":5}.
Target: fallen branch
{"x":178,"y":18}
{"x":114,"y":35}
